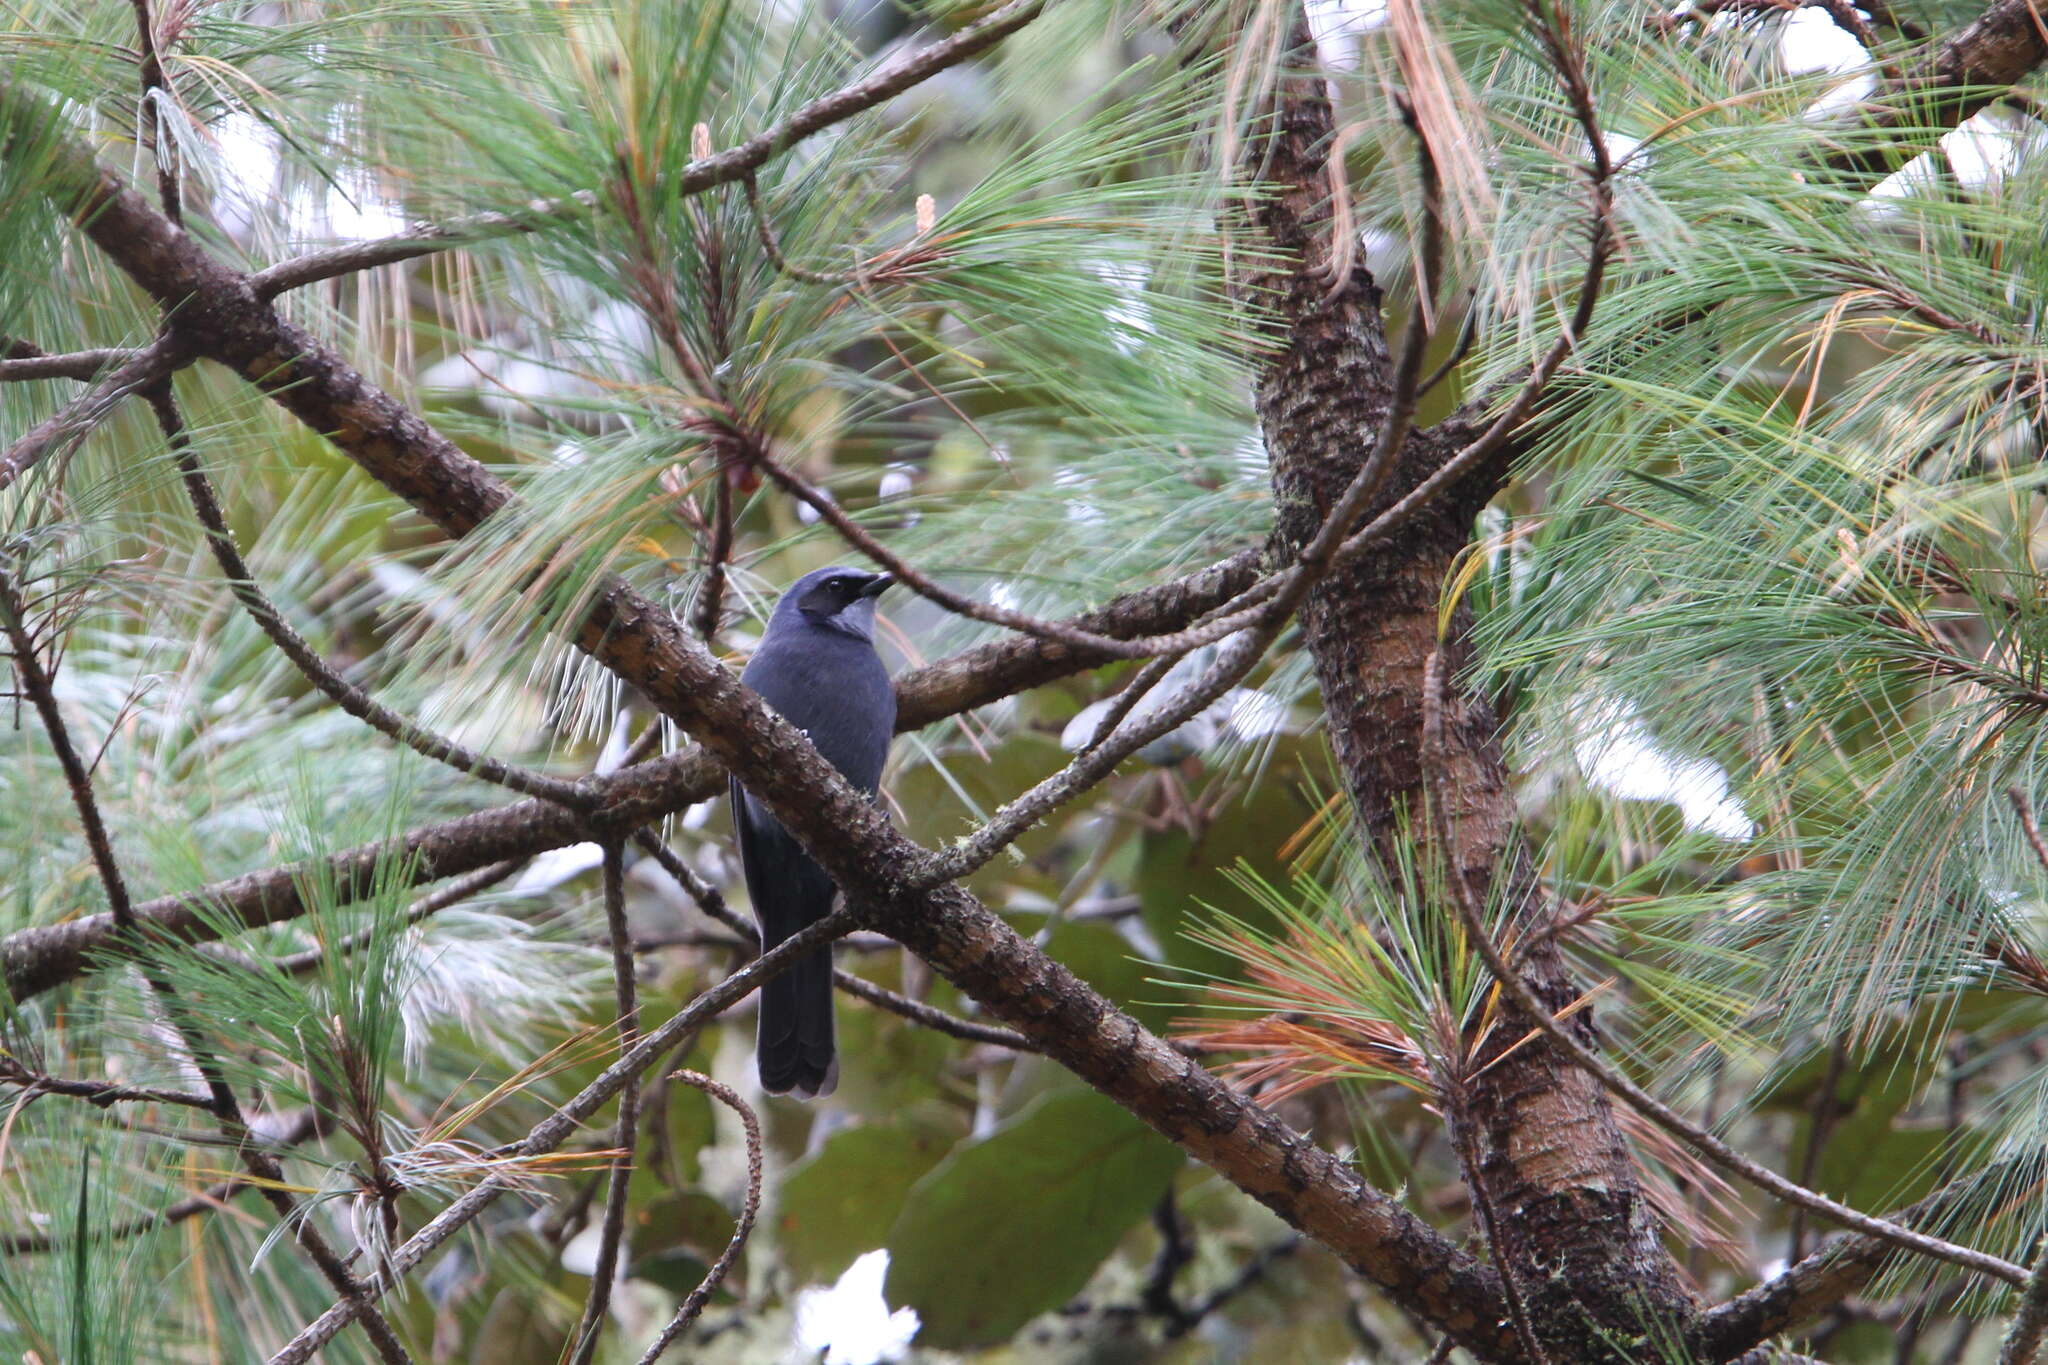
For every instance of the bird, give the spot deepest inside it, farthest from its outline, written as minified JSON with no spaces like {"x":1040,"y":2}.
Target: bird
{"x":817,"y":668}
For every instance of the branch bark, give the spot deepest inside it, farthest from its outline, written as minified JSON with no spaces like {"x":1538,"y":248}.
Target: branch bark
{"x":38,"y":959}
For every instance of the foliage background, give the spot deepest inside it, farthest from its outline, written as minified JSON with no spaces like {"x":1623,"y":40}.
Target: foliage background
{"x":1773,"y":552}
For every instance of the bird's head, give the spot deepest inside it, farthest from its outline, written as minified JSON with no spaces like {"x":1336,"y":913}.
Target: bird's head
{"x":836,"y":598}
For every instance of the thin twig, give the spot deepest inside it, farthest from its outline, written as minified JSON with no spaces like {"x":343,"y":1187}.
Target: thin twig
{"x":1706,"y":1143}
{"x":1021,"y":814}
{"x":708,"y":611}
{"x":1248,"y":1275}
{"x":424,"y":239}
{"x":457,"y":891}
{"x":156,"y":90}
{"x":20,"y":361}
{"x":915,"y":579}
{"x":1468,"y":333}
{"x":227,"y":1111}
{"x":76,"y":419}
{"x":917,"y":1012}
{"x":101,"y":1093}
{"x":551,"y":1132}
{"x":712,"y":903}
{"x":694,"y":1303}
{"x":37,"y":683}
{"x":625,"y":988}
{"x":766,"y":233}
{"x":2024,"y":808}
{"x":316,"y":670}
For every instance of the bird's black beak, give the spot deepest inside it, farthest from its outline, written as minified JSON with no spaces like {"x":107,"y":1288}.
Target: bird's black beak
{"x":877,"y":585}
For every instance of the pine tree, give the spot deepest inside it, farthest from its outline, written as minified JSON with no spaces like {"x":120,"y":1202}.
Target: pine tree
{"x":1468,"y":660}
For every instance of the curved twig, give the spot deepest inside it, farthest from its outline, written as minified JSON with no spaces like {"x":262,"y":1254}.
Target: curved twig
{"x":316,"y":670}
{"x":694,"y":1304}
{"x":552,"y":1131}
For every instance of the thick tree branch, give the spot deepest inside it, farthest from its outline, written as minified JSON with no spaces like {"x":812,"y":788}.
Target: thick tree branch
{"x":1965,"y":74}
{"x":1584,"y":1241}
{"x":36,"y":959}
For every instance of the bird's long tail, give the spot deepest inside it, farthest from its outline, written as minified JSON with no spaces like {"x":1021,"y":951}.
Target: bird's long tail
{"x":794,"y":1046}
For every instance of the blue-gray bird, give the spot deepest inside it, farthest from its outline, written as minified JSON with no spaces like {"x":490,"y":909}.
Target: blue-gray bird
{"x":817,"y":667}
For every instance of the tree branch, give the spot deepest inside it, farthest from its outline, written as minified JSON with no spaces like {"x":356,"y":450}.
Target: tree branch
{"x":76,"y":419}
{"x":20,"y":362}
{"x":36,"y":959}
{"x":735,"y":163}
{"x":324,"y":676}
{"x":627,"y":1142}
{"x":693,"y":1304}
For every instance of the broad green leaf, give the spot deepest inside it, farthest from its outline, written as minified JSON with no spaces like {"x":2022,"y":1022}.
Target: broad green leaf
{"x":841,"y":1201}
{"x":1013,"y":1225}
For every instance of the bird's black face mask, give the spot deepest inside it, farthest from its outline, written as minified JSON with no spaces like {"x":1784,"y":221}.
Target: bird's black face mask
{"x":845,"y":601}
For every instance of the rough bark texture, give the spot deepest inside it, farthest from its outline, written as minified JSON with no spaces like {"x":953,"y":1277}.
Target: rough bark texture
{"x":1576,"y":1229}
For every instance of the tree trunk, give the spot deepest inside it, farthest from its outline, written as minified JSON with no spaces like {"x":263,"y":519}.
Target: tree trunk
{"x":1575,"y":1229}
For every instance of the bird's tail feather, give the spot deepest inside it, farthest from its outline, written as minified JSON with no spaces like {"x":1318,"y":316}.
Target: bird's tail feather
{"x":794,"y":1047}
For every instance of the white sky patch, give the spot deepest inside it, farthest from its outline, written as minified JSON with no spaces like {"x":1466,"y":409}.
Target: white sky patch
{"x":550,"y":869}
{"x":361,"y":213}
{"x":1079,"y":507}
{"x":1615,"y":751}
{"x":1249,"y":455}
{"x":897,"y":480}
{"x":851,"y":1322}
{"x":1812,"y":41}
{"x":1339,"y":24}
{"x":1982,"y":152}
{"x":1620,"y":147}
{"x":245,"y":171}
{"x":1130,"y":316}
